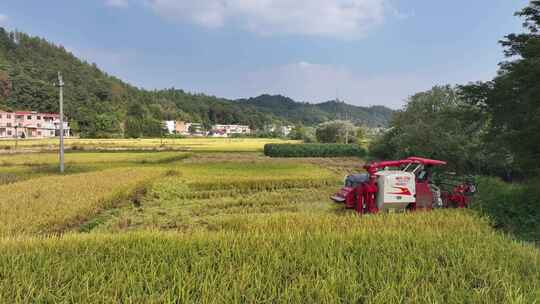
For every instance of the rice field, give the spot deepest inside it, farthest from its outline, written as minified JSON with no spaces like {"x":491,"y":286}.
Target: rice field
{"x":202,"y":144}
{"x":53,"y":204}
{"x":42,"y":159}
{"x":226,"y":227}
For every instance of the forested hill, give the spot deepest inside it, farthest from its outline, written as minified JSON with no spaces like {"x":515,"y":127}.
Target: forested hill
{"x":310,"y":114}
{"x":100,"y":105}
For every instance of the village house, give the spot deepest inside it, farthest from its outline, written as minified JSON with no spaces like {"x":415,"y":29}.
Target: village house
{"x":183,"y":128}
{"x":284,"y":130}
{"x":196,"y":129}
{"x":227,"y":130}
{"x":27,"y":124}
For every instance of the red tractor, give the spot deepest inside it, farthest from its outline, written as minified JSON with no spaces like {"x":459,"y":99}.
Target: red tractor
{"x":403,"y":185}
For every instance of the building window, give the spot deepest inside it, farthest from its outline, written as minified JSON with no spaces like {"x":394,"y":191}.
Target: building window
{"x":9,"y":133}
{"x":29,"y":117}
{"x":9,"y":124}
{"x":38,"y":118}
{"x":0,"y":115}
{"x":19,"y":116}
{"x":39,"y":125}
{"x":39,"y":133}
{"x":8,"y":116}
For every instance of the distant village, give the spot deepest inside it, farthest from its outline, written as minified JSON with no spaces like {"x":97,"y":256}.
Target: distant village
{"x":178,"y":127}
{"x":32,"y":124}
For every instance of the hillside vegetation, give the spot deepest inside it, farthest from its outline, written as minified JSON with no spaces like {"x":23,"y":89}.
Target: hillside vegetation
{"x":100,"y":105}
{"x":311,"y":114}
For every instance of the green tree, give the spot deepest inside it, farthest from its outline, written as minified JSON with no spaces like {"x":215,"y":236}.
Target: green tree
{"x":336,"y":131}
{"x":511,"y":99}
{"x":436,"y":124}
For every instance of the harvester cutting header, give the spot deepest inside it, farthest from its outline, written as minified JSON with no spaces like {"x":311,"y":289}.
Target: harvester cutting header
{"x":403,"y":185}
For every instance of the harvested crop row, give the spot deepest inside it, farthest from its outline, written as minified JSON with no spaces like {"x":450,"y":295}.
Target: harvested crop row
{"x":52,"y":204}
{"x":449,"y":258}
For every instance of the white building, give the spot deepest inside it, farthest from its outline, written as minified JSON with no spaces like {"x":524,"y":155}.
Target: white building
{"x":170,"y":126}
{"x":231,"y":129}
{"x":183,"y":128}
{"x":285,"y":130}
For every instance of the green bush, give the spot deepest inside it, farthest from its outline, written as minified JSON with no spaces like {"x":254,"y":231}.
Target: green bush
{"x":313,"y":150}
{"x":513,"y":208}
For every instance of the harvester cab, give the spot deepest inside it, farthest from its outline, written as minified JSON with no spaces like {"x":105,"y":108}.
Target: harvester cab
{"x":400,"y":185}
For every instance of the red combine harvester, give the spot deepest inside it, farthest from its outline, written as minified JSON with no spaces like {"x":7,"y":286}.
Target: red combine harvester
{"x":402,"y":185}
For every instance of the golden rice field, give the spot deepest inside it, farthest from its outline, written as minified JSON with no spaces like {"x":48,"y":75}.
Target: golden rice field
{"x":200,"y":227}
{"x":27,"y":159}
{"x":53,"y":204}
{"x":183,"y":144}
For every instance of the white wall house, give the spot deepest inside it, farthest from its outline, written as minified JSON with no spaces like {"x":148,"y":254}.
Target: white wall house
{"x":285,"y":130}
{"x":183,"y":128}
{"x":170,"y":126}
{"x":231,"y":129}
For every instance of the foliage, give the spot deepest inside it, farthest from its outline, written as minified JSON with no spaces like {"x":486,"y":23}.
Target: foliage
{"x":438,"y":124}
{"x":514,"y":208}
{"x":314,"y":114}
{"x":336,"y":131}
{"x":313,"y":150}
{"x":303,"y":133}
{"x":510,"y":99}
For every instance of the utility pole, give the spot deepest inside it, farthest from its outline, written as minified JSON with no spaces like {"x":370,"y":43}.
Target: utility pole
{"x":61,"y":87}
{"x":346,"y":128}
{"x":16,"y":137}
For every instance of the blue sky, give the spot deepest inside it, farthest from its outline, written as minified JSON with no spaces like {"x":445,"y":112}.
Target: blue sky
{"x":365,"y":52}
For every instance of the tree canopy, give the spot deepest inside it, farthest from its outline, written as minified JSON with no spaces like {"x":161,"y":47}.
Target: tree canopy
{"x":511,"y":100}
{"x":489,"y":127}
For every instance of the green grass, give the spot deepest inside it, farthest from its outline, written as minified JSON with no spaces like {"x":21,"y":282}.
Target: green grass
{"x":236,"y":227}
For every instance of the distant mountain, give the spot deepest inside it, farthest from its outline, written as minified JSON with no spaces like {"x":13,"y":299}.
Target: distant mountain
{"x":311,"y":114}
{"x":100,"y":105}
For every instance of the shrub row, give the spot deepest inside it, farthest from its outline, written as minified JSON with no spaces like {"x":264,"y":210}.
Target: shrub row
{"x":513,"y":208}
{"x":313,"y":150}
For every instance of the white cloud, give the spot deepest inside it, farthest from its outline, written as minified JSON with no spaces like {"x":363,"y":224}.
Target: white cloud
{"x":3,"y":19}
{"x":117,"y":3}
{"x":347,"y":19}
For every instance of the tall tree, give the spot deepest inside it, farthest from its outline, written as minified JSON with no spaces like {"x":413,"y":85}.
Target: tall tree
{"x":436,"y":124}
{"x":512,"y":99}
